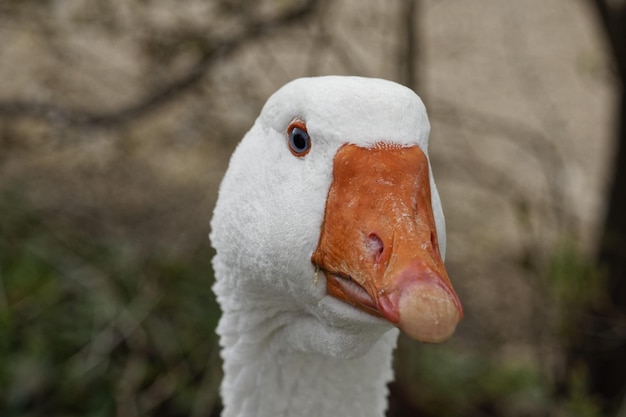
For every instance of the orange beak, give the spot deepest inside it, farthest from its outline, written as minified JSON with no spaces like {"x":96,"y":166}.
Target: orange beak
{"x":378,"y":245}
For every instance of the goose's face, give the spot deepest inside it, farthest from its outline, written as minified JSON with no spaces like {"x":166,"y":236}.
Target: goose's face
{"x":331,"y":195}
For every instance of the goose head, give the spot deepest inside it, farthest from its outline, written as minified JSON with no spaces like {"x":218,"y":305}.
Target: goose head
{"x":329,"y":210}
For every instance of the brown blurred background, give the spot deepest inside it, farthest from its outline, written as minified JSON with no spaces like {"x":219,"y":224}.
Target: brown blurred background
{"x":117,"y":120}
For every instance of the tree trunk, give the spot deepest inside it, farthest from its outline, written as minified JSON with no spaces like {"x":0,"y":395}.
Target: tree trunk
{"x":603,"y":347}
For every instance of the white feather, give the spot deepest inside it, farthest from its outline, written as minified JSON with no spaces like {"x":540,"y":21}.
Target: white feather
{"x":288,"y":348}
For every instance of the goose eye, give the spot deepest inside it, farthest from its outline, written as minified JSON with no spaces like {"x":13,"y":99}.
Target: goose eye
{"x":299,"y":140}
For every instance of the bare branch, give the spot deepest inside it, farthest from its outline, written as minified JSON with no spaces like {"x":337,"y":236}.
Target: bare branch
{"x":408,"y":51}
{"x":545,"y":151}
{"x":52,"y":113}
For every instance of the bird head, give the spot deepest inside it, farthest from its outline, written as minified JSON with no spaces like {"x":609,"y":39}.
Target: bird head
{"x":329,"y":208}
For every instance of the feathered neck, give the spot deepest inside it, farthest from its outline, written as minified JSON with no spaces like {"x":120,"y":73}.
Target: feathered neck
{"x":265,"y":375}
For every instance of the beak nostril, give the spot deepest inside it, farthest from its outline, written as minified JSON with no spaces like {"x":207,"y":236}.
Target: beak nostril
{"x":376,"y":246}
{"x":433,"y":243}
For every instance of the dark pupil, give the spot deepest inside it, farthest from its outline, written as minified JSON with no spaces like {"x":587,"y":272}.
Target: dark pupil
{"x":299,"y":141}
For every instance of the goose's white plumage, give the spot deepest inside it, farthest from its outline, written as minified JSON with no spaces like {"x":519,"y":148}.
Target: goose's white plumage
{"x":290,"y":346}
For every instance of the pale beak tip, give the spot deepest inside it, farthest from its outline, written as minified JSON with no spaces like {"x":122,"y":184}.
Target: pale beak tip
{"x":427,"y":312}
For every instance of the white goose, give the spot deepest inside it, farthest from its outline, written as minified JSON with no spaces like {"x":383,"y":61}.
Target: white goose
{"x":329,"y":234}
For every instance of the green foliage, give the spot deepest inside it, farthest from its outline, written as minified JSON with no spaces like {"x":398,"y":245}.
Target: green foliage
{"x":93,"y":328}
{"x":574,"y":279}
{"x":442,"y":381}
{"x":578,"y":402}
{"x":449,"y":382}
{"x":577,"y":285}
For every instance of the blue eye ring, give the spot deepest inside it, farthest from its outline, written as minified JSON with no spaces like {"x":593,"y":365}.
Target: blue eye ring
{"x":298,"y":139}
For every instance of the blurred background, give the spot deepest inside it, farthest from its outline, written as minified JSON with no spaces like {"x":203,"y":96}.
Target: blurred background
{"x":117,"y":120}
